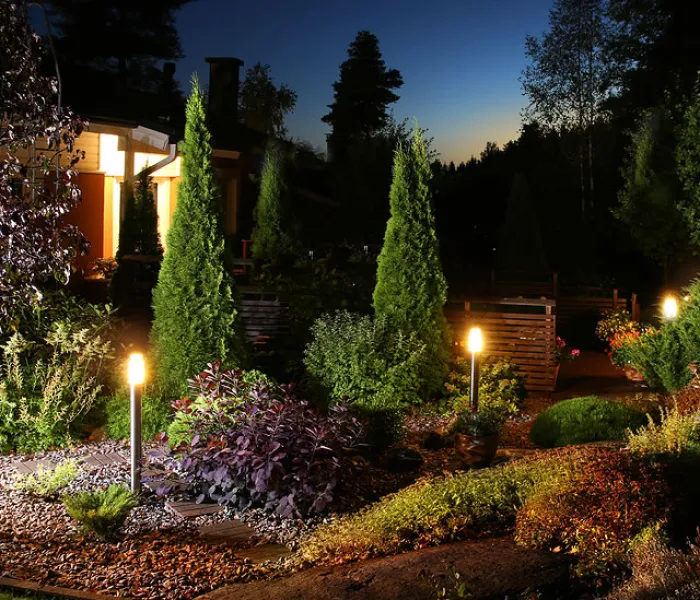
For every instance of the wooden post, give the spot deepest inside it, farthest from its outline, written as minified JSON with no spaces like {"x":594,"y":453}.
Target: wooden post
{"x":615,"y":299}
{"x":635,"y":308}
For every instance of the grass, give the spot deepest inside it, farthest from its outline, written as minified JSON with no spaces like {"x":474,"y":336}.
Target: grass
{"x":584,"y":420}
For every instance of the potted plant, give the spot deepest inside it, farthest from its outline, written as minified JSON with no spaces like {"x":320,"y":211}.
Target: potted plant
{"x":476,"y":437}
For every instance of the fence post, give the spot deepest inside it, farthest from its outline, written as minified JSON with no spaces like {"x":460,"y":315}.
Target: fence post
{"x":615,"y":299}
{"x":635,"y":308}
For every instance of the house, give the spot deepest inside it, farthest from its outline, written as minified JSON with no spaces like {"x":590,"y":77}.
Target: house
{"x":116,"y":150}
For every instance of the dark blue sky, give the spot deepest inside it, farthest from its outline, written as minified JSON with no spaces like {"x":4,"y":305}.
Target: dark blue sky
{"x":460,"y":59}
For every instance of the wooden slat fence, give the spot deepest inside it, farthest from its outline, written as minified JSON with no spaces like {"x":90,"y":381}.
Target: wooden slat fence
{"x":264,"y":316}
{"x":523,"y":330}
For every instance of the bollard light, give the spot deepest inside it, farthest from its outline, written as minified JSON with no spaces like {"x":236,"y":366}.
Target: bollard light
{"x":670,"y":308}
{"x":475,"y":344}
{"x":136,"y":376}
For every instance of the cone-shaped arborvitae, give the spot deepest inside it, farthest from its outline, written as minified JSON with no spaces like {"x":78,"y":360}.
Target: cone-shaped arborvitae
{"x":411,"y":288}
{"x":195,"y":316}
{"x":271,"y":236}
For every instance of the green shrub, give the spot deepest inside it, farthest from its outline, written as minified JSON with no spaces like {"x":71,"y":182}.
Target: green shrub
{"x":411,"y":289}
{"x":47,"y":387}
{"x":195,"y":315}
{"x":597,"y":511}
{"x":501,"y":389}
{"x":215,"y":391}
{"x":675,"y":434}
{"x":48,"y":483}
{"x":156,"y":414}
{"x":364,"y":360}
{"x":583,"y":420}
{"x":438,"y":510}
{"x":383,"y":427}
{"x":101,"y":513}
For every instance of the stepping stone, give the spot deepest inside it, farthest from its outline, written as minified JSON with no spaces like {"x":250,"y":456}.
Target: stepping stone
{"x":259,"y":554}
{"x":230,"y":532}
{"x":192,"y":509}
{"x":93,"y":461}
{"x":115,"y":458}
{"x":32,"y":466}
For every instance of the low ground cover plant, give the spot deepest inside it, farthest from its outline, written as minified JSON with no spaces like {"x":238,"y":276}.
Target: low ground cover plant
{"x":274,"y":451}
{"x":365,"y":361}
{"x":101,"y":513}
{"x":485,"y":501}
{"x":48,"y":483}
{"x":583,"y":420}
{"x":660,"y":571}
{"x":597,"y":511}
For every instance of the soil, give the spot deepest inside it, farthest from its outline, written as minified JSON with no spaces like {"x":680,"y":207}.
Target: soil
{"x":489,"y":568}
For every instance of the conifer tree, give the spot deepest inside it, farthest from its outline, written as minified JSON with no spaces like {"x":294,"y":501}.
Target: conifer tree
{"x":194,"y":307}
{"x":411,"y":288}
{"x":271,"y":236}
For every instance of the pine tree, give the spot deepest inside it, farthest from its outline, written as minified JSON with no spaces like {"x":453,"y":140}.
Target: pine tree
{"x":411,"y":288}
{"x":271,"y":236}
{"x":361,"y":95}
{"x":149,"y":238}
{"x":195,"y":314}
{"x":520,"y":245}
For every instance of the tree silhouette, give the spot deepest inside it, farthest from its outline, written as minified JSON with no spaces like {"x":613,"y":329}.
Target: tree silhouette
{"x":262,"y":105}
{"x":362,"y":95}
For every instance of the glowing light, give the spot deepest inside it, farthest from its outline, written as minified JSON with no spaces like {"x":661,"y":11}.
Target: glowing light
{"x":475,"y":340}
{"x":111,"y":158}
{"x":137,"y":369}
{"x":670,"y":308}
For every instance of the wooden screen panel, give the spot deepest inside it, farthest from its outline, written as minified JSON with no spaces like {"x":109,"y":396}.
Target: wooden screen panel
{"x":264,"y":316}
{"x":527,"y":339}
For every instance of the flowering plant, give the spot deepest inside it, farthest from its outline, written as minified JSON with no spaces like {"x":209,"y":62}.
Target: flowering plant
{"x":564,"y":352}
{"x":614,"y":322}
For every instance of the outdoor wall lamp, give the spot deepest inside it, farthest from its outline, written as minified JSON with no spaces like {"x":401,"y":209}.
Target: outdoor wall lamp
{"x":136,"y":377}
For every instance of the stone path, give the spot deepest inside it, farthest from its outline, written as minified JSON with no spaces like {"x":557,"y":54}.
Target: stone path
{"x":93,"y":461}
{"x":230,"y":531}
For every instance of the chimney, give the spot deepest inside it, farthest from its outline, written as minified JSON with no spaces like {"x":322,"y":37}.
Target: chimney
{"x":223,"y":96}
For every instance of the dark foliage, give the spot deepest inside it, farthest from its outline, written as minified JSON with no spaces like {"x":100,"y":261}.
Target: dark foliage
{"x":275,"y":452}
{"x":36,"y":244}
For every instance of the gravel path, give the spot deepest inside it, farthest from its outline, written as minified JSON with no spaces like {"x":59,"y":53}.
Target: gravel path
{"x":158,"y":555}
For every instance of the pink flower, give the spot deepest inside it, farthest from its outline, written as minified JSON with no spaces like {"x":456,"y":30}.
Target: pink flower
{"x":575,"y":353}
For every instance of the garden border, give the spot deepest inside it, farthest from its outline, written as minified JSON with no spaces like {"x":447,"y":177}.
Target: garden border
{"x":25,"y":585}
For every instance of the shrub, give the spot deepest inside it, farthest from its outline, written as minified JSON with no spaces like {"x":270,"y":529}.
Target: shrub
{"x":48,"y":483}
{"x":596,"y":512}
{"x":47,"y":388}
{"x":583,"y":420}
{"x":439,"y":510}
{"x":501,"y":388}
{"x":195,"y":313}
{"x":101,"y":513}
{"x":660,"y":572}
{"x":411,"y":288}
{"x":687,"y":399}
{"x":675,"y":434}
{"x":365,"y":361}
{"x":382,"y":427}
{"x":615,"y":322}
{"x":218,"y":395}
{"x":156,"y":414}
{"x":274,"y":452}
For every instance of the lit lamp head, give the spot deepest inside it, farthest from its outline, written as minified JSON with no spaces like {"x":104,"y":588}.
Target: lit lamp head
{"x":670,"y":308}
{"x":137,"y":369}
{"x":475,"y":340}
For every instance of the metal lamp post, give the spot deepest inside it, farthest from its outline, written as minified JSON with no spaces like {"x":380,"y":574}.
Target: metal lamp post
{"x":475,"y":344}
{"x":137,"y":374}
{"x":670,"y":308}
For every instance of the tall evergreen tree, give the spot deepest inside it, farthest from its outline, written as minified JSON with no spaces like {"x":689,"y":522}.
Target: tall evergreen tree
{"x":194,"y":307}
{"x":362,"y":94}
{"x":272,"y":234}
{"x":688,"y":164}
{"x":520,"y":245}
{"x":411,"y":289}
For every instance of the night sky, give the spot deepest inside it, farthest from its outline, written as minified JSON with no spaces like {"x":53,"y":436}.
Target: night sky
{"x":460,"y":59}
